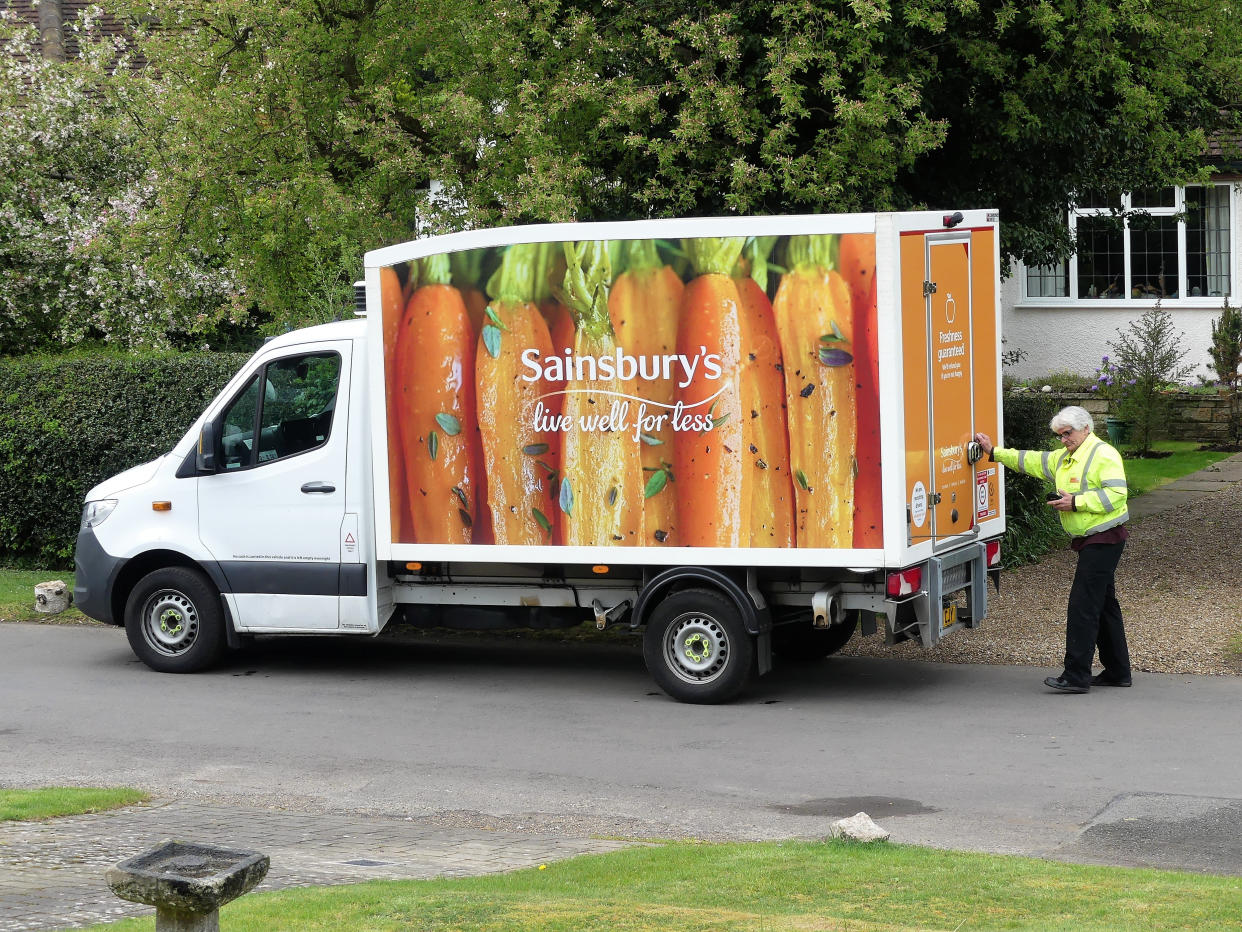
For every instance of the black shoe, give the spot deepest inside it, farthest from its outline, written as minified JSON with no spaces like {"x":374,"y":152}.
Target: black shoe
{"x":1061,"y":684}
{"x":1103,"y":679}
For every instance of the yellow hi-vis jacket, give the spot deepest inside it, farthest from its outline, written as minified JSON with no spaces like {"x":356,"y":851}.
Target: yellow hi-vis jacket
{"x":1094,"y":474}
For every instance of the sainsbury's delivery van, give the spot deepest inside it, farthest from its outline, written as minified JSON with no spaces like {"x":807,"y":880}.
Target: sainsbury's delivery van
{"x":749,"y":437}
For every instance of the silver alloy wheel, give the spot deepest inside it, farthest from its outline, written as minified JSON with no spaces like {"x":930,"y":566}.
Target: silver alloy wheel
{"x":696,"y":647}
{"x":170,"y":622}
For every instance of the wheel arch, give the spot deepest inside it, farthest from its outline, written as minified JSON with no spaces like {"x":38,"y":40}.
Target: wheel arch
{"x":140,"y":565}
{"x":756,"y":615}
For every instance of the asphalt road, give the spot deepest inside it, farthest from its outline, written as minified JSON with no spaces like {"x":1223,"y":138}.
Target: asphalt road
{"x":575,"y":739}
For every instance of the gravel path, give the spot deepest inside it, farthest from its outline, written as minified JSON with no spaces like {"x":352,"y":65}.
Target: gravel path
{"x":1179,"y":584}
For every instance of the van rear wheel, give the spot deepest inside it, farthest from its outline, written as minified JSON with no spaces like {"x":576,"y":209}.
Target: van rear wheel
{"x":697,"y":648}
{"x":174,"y":622}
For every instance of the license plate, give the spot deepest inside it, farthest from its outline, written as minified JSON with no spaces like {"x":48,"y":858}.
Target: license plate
{"x":950,"y":616}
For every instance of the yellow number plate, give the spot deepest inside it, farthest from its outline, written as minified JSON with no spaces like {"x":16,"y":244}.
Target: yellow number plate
{"x":950,"y":616}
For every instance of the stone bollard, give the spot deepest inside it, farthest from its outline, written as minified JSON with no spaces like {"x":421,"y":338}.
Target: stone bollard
{"x":187,"y":883}
{"x":859,"y":827}
{"x":52,"y":597}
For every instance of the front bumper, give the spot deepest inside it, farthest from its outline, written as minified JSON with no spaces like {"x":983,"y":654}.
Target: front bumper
{"x":94,"y":574}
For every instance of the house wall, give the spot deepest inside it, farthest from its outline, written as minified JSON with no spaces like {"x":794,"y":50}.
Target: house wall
{"x":1074,"y":335}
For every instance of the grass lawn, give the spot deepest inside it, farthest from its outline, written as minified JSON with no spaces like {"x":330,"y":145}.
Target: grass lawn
{"x":17,"y":596}
{"x":52,"y":801}
{"x":1146,"y":474}
{"x":771,"y":886}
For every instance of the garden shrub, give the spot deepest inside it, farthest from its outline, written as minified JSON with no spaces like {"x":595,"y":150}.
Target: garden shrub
{"x":1031,"y":527}
{"x":68,"y":422}
{"x":1148,"y":356}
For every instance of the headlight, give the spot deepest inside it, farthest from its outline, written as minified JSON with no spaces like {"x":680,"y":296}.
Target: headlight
{"x":95,"y":512}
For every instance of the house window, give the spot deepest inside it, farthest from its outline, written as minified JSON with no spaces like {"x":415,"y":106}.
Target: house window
{"x":1162,"y":243}
{"x":1207,"y":240}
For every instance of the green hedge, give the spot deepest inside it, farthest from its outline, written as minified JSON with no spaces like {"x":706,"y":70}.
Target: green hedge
{"x":1031,"y":527}
{"x":68,"y":422}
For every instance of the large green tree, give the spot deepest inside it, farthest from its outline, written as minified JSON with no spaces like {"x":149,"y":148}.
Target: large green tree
{"x":286,"y":137}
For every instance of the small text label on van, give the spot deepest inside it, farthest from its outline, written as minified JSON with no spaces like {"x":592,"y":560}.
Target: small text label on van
{"x":918,"y":504}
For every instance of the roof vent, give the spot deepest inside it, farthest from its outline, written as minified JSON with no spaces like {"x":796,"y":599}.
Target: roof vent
{"x":360,"y":299}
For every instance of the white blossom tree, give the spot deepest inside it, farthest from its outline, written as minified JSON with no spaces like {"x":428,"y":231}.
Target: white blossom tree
{"x":80,"y":255}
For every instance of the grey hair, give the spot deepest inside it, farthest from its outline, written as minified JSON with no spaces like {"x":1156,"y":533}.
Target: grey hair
{"x":1073,"y":417}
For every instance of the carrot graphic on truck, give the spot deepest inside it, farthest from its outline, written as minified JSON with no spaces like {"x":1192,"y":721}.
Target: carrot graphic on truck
{"x":765,"y":437}
{"x":601,"y":493}
{"x":857,"y":264}
{"x":520,"y":459}
{"x":392,"y":307}
{"x":713,"y":488}
{"x":815,"y":322}
{"x":436,"y":415}
{"x":644,"y":306}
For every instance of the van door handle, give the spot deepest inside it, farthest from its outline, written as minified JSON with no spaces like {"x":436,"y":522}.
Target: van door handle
{"x":325,"y":487}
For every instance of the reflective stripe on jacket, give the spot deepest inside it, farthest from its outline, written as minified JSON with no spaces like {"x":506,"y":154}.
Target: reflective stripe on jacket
{"x":1094,"y":474}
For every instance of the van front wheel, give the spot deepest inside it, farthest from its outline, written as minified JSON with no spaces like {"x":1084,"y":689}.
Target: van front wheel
{"x":696,"y":647}
{"x":174,"y":622}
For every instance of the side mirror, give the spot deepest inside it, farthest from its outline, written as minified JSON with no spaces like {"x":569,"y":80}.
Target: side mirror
{"x":205,"y":456}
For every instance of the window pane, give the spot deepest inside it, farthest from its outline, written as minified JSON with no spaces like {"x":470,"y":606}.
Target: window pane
{"x":1048,"y":281}
{"x":298,"y":400}
{"x":237,"y":427}
{"x":1207,"y":240}
{"x":1097,"y":198}
{"x":1153,"y":257}
{"x":1153,"y":197}
{"x":1101,"y":257}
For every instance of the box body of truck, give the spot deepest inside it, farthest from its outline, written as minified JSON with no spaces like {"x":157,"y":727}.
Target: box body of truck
{"x":750,"y":437}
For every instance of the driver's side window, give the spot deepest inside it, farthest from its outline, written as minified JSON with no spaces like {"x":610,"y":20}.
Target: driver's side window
{"x":290,"y":415}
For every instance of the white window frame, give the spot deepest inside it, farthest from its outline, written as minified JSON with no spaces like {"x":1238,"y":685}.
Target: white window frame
{"x":1126,"y":299}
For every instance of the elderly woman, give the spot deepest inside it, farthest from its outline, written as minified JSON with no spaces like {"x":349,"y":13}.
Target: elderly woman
{"x":1090,"y":493}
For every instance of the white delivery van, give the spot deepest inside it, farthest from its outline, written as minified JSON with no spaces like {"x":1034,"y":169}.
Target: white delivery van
{"x":749,"y":437}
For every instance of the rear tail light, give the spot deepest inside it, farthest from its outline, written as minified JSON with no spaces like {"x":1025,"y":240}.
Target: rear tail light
{"x":904,"y":582}
{"x":993,"y":551}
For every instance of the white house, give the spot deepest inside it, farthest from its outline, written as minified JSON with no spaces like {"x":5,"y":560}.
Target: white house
{"x":1185,"y":253}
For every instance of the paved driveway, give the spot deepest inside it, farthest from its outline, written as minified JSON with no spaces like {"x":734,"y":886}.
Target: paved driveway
{"x":477,"y":746}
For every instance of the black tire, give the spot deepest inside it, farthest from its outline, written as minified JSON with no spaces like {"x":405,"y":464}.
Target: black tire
{"x":697,"y":648}
{"x":803,"y":643}
{"x":174,"y":621}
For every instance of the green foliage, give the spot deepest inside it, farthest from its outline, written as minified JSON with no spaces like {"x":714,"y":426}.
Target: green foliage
{"x":79,"y":255}
{"x":771,"y":886}
{"x":55,"y":801}
{"x":237,"y":180}
{"x":1148,"y":358}
{"x":1111,"y":383}
{"x":1062,"y":380}
{"x":1031,"y":527}
{"x":68,"y":422}
{"x":1183,"y":458}
{"x":285,"y":138}
{"x":1226,"y":351}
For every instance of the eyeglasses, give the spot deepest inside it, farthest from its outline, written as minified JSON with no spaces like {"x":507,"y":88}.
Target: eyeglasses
{"x":1066,"y":434}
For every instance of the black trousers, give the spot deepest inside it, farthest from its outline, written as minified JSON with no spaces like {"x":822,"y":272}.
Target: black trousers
{"x":1094,"y":616}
